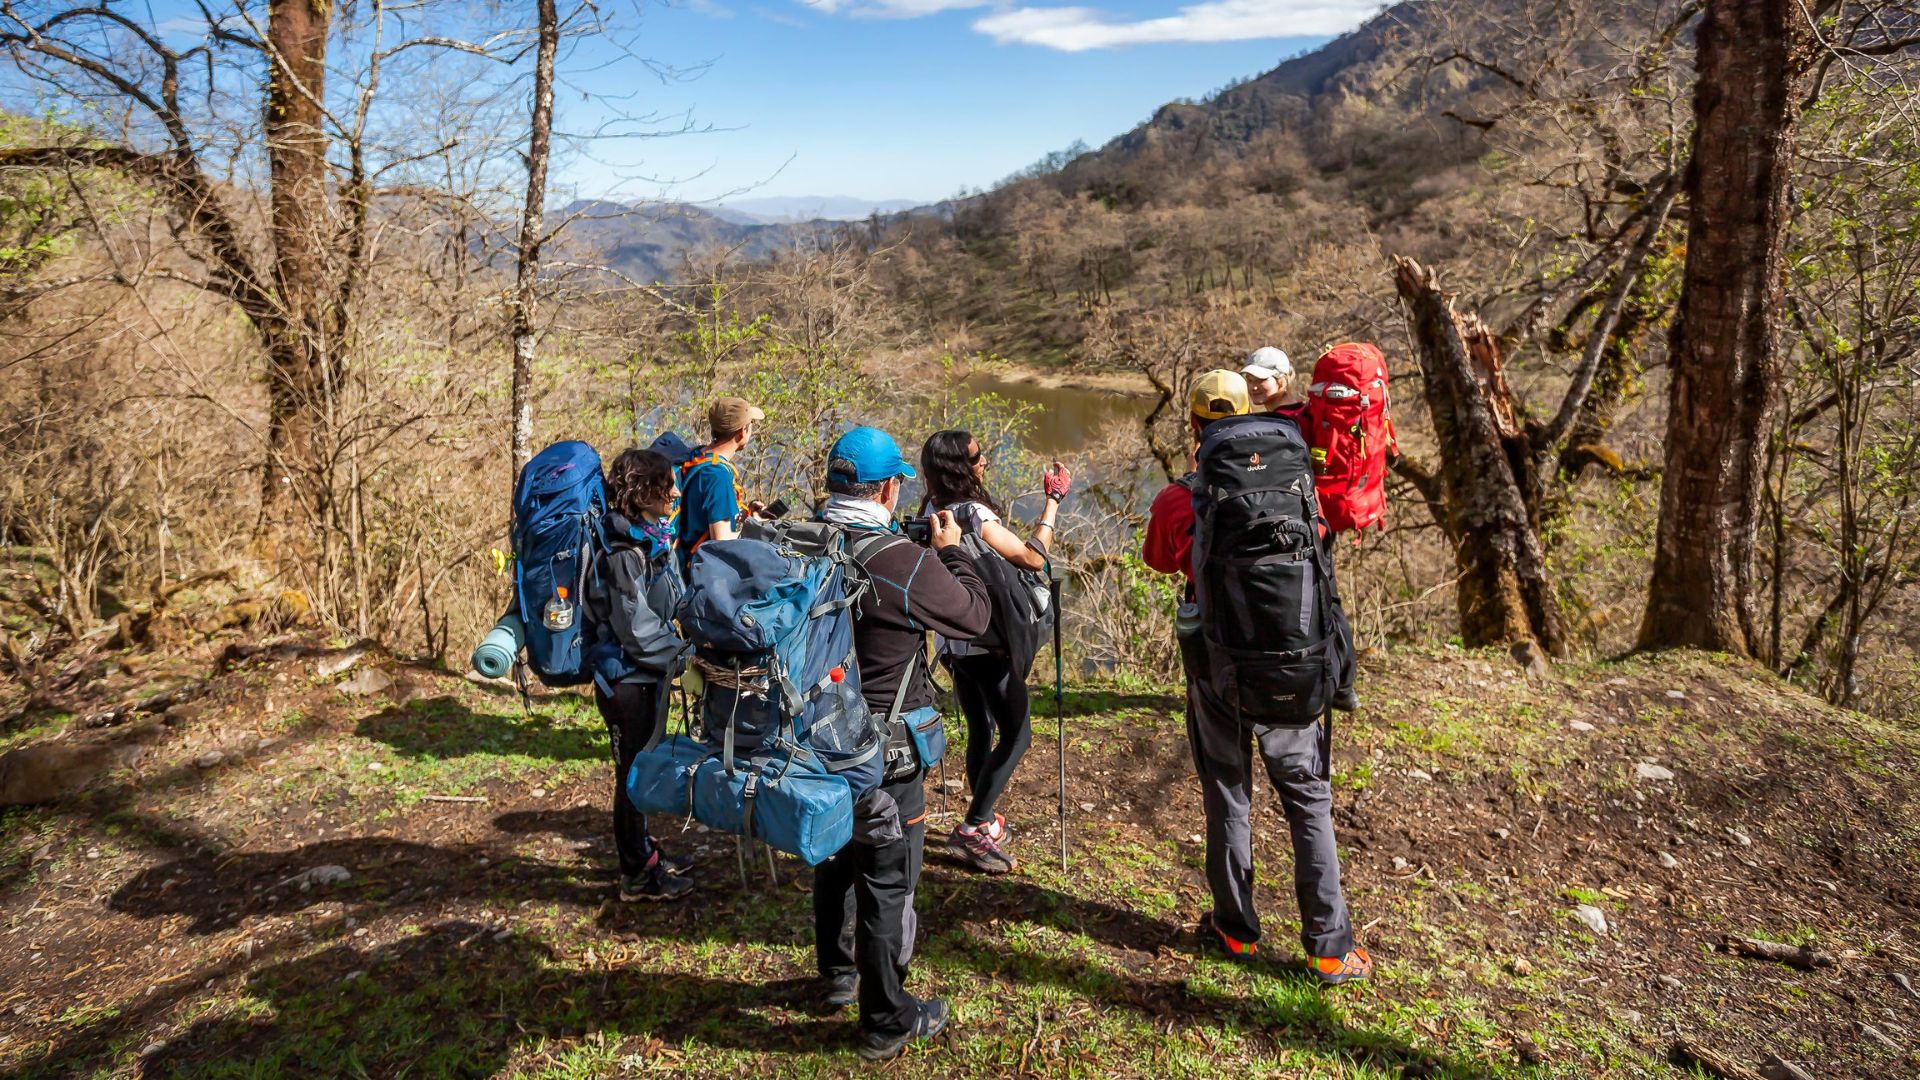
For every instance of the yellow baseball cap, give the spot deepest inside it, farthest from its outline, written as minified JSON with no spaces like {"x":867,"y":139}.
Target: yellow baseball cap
{"x":1219,"y":394}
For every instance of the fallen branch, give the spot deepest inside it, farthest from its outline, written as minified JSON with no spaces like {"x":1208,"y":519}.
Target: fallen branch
{"x":454,"y":798}
{"x":1880,"y":1037}
{"x":1804,"y":957}
{"x":1688,"y":1056}
{"x":158,"y":703}
{"x":1780,"y":1067}
{"x":1907,"y":986}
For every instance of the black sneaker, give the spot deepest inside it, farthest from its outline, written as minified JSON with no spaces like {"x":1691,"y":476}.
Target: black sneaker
{"x":931,"y":1020}
{"x":654,"y":884}
{"x":676,"y":865}
{"x":843,"y":990}
{"x":1346,"y":700}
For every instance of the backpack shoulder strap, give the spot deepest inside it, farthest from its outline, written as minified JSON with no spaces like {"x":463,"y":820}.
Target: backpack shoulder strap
{"x":900,"y":694}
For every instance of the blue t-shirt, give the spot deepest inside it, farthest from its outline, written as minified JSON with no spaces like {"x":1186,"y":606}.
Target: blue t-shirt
{"x":707,"y":495}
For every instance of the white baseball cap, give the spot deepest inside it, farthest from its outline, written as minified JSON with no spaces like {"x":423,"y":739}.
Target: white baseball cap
{"x":1268,"y":363}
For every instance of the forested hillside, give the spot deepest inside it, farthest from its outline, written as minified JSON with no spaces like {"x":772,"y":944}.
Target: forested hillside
{"x":1531,"y":159}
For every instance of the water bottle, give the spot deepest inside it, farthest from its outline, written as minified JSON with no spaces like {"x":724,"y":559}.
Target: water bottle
{"x":1186,"y":622}
{"x":558,"y":615}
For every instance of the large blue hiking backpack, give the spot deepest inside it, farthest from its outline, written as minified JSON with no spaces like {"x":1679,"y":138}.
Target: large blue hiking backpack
{"x":558,"y":505}
{"x":785,"y":743}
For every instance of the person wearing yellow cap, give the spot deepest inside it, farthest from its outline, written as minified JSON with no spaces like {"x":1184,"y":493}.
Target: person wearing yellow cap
{"x":1241,"y":528}
{"x":710,"y":498}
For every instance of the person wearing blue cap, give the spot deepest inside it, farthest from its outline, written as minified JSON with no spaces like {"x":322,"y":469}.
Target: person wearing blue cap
{"x":864,"y":921}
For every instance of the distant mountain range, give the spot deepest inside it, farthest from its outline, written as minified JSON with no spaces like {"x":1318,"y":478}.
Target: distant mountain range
{"x":651,"y":241}
{"x":792,"y":209}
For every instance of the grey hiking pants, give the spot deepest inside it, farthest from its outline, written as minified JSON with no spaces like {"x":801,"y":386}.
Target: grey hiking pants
{"x":1223,"y":757}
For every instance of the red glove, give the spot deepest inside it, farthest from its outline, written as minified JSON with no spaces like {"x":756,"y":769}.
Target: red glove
{"x":1057,"y":481}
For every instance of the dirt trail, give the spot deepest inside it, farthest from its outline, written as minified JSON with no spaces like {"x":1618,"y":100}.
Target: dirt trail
{"x":292,"y":877}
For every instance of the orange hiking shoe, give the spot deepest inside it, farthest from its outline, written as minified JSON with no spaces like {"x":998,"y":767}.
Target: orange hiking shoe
{"x":1334,"y":970}
{"x":1232,"y":946}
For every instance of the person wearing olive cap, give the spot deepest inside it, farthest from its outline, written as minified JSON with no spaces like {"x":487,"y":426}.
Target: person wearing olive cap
{"x":864,"y":922}
{"x":1269,"y":377}
{"x":710,"y":496}
{"x":1223,"y":750}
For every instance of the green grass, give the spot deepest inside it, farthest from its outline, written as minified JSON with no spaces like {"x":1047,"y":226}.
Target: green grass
{"x":1090,"y":972}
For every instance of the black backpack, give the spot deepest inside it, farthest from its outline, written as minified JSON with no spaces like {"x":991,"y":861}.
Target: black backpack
{"x":1022,"y":609}
{"x":1276,"y":638}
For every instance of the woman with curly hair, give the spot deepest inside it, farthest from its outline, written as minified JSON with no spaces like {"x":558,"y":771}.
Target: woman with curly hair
{"x":991,"y":688}
{"x":636,"y":652}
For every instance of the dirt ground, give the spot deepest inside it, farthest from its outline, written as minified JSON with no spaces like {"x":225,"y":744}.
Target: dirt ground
{"x":325,"y":862}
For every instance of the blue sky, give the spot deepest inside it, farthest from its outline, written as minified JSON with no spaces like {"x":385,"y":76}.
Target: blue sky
{"x":913,"y":99}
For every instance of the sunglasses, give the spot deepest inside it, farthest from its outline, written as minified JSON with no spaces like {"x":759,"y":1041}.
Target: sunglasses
{"x":976,"y":457}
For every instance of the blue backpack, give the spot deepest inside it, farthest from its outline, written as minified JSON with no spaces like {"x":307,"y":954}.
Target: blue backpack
{"x":558,"y":505}
{"x":786,"y":743}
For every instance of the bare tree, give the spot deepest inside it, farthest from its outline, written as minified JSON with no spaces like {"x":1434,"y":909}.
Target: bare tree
{"x":532,"y":225}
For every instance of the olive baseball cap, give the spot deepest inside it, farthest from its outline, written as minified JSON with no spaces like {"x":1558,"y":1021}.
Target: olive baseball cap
{"x":1219,"y":394}
{"x":730,"y":414}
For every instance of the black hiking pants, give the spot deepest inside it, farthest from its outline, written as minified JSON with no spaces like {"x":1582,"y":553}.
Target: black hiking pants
{"x":863,"y":917}
{"x":1296,"y":764}
{"x":632,"y":714}
{"x":999,"y":727}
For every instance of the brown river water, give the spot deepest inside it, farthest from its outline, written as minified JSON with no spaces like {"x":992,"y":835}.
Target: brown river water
{"x":1068,"y":416}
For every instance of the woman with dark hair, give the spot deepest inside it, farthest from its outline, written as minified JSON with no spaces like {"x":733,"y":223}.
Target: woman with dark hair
{"x":636,"y":652}
{"x":992,"y":692}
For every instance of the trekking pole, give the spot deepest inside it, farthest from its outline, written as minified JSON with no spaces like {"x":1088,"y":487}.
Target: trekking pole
{"x":1059,"y":710}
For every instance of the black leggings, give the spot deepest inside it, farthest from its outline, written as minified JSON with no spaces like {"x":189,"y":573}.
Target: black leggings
{"x":631,"y":714}
{"x":995,"y":704}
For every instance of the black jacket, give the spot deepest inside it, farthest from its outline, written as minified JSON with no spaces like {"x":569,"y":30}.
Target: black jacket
{"x":631,"y":602}
{"x":914,"y":590}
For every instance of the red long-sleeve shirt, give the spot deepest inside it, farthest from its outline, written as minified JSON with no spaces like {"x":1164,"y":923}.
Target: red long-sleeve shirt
{"x":1169,"y":543}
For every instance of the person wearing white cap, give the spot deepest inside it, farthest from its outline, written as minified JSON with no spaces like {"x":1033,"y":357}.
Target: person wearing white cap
{"x":1269,"y":376}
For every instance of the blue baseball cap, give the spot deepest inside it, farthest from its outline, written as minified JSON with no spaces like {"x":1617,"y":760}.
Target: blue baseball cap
{"x":872,"y":453}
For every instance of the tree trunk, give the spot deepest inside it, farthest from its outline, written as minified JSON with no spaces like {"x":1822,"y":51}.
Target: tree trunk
{"x":299,"y":349}
{"x":1487,"y":474}
{"x":532,"y":234}
{"x":1747,"y":95}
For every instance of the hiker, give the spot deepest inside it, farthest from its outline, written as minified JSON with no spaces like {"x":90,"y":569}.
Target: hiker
{"x":990,"y":677}
{"x":1244,"y":594}
{"x":635,"y":653}
{"x":710,"y":497}
{"x":864,"y":921}
{"x":1269,"y":376}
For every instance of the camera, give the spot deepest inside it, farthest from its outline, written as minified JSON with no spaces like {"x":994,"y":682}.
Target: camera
{"x":776,"y":510}
{"x":919,"y":530}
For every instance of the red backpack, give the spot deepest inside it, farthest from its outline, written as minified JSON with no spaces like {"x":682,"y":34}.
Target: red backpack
{"x":1351,"y":435}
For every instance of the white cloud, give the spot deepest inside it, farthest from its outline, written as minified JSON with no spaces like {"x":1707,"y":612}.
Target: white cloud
{"x":1077,"y":29}
{"x":893,"y":9}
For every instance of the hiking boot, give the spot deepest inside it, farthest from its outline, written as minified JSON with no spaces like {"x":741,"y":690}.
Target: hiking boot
{"x":977,"y":849}
{"x":843,"y":990}
{"x":1232,"y":946}
{"x":1334,"y":970}
{"x":999,"y":829}
{"x":677,"y":865}
{"x":1345,"y":700}
{"x":654,"y":884}
{"x":931,"y":1020}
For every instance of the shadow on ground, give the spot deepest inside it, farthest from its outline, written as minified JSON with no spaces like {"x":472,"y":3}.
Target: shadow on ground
{"x":444,"y":727}
{"x":456,"y":998}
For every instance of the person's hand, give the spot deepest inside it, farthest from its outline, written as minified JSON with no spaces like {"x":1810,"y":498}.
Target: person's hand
{"x":946,"y":531}
{"x":756,"y":508}
{"x":1193,"y":458}
{"x":1057,"y":481}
